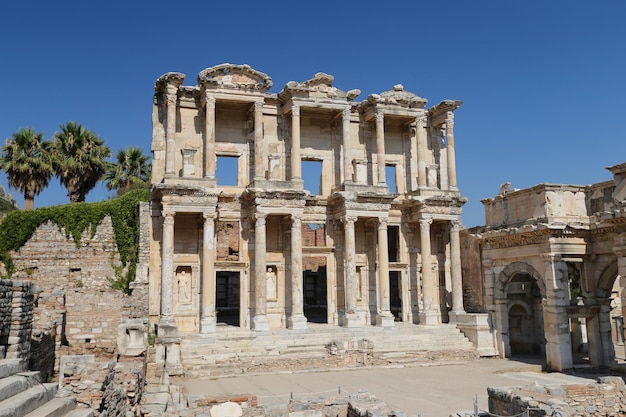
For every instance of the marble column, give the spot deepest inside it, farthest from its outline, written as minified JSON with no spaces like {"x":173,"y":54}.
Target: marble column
{"x":422,"y":149}
{"x":171,"y":95}
{"x":450,"y":148}
{"x":347,"y":151}
{"x":210,"y":162}
{"x":380,"y":147}
{"x":455,"y":268}
{"x":384,"y":317}
{"x":208,"y":319}
{"x":296,"y":162}
{"x":351,"y":318}
{"x":167,"y":268}
{"x":297,"y":320}
{"x":430,"y":313}
{"x":259,"y":156}
{"x":260,"y":322}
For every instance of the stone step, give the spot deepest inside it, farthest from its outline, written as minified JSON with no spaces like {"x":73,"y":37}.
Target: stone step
{"x":80,"y":412}
{"x":28,"y":400}
{"x":14,"y":384}
{"x":57,"y":407}
{"x":9,"y":367}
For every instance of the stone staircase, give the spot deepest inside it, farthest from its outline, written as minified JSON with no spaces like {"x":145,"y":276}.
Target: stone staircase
{"x":22,"y":394}
{"x":234,"y":351}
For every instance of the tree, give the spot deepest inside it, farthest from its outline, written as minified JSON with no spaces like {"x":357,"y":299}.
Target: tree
{"x":79,"y":159}
{"x":27,"y":161}
{"x":130,"y":169}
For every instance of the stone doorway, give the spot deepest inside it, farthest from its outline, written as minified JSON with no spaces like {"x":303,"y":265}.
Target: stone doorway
{"x":315,"y":295}
{"x":525,"y":316}
{"x":395,"y":294}
{"x":227,"y":299}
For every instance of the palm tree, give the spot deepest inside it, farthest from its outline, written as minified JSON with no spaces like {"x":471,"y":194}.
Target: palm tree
{"x":131,"y":169}
{"x":79,"y":159}
{"x":26,"y":159}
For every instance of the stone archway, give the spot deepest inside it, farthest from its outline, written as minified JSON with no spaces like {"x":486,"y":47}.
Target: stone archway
{"x":519,"y":292}
{"x":611,"y":298}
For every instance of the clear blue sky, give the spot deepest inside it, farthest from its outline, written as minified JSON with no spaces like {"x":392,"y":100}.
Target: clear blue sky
{"x":542,"y":81}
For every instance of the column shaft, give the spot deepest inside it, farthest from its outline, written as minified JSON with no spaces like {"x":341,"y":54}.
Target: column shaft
{"x":455,"y":268}
{"x":450,"y":146}
{"x":384,"y":318}
{"x":170,"y":142}
{"x":259,"y":321}
{"x":430,"y":314}
{"x":351,"y":318}
{"x":208,"y":319}
{"x":259,"y":156}
{"x":347,"y":151}
{"x":297,"y":319}
{"x":296,"y":163}
{"x":167,"y":268}
{"x":380,"y":147}
{"x":209,"y":141}
{"x":421,"y":152}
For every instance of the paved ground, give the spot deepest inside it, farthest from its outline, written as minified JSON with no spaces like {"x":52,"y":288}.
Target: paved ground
{"x":427,"y":391}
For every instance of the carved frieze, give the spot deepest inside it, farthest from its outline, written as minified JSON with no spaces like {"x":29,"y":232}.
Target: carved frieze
{"x":230,"y":76}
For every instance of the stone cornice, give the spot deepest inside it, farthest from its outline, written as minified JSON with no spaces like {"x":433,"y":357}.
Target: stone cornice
{"x":320,"y":87}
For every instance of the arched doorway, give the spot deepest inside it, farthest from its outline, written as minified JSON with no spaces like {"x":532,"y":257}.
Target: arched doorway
{"x":525,"y":316}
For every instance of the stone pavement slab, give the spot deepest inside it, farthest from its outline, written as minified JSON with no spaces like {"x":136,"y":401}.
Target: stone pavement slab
{"x":427,"y":391}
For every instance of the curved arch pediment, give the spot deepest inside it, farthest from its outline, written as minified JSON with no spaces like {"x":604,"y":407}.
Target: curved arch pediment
{"x":234,"y":76}
{"x":513,"y":269}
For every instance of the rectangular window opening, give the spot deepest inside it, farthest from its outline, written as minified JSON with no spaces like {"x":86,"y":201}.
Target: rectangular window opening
{"x":227,"y":170}
{"x":393,"y":243}
{"x":312,"y":176}
{"x":390,"y":174}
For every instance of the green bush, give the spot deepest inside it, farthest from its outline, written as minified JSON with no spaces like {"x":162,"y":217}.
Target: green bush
{"x":18,"y":227}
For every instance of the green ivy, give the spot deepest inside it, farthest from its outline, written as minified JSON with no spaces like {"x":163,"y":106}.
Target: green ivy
{"x":18,"y":227}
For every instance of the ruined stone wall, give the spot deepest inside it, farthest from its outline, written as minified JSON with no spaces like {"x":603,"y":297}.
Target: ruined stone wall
{"x":77,"y":310}
{"x":603,"y":398}
{"x":16,"y":319}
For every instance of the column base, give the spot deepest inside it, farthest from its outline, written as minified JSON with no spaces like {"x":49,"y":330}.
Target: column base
{"x":168,"y":349}
{"x":454,"y":315}
{"x":260,"y":323}
{"x":351,"y":320}
{"x":385,"y":320}
{"x":208,"y":325}
{"x":430,"y":318}
{"x":298,"y":322}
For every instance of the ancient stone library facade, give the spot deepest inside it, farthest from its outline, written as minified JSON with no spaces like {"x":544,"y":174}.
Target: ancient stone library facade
{"x":239,"y":239}
{"x":552,"y":262}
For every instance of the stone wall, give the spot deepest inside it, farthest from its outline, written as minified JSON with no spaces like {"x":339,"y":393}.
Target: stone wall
{"x":77,"y":311}
{"x":16,"y":319}
{"x":603,"y":398}
{"x":109,"y":388}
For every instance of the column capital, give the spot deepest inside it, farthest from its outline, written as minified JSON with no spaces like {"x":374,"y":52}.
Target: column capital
{"x":349,"y":220}
{"x":488,"y":263}
{"x":295,"y":111}
{"x":449,"y":120}
{"x":168,"y":214}
{"x":259,"y":219}
{"x":425,"y":224}
{"x":296,"y":219}
{"x":421,"y":120}
{"x":382,"y":223}
{"x":209,"y":216}
{"x":258,"y":106}
{"x":345,"y":113}
{"x":171,"y":99}
{"x":455,"y":225}
{"x":208,"y":99}
{"x":380,"y":117}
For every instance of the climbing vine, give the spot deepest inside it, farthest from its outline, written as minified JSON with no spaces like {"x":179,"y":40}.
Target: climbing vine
{"x":18,"y":227}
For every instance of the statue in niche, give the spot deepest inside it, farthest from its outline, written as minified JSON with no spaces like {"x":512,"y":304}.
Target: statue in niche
{"x":184,"y":287}
{"x":270,"y":282}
